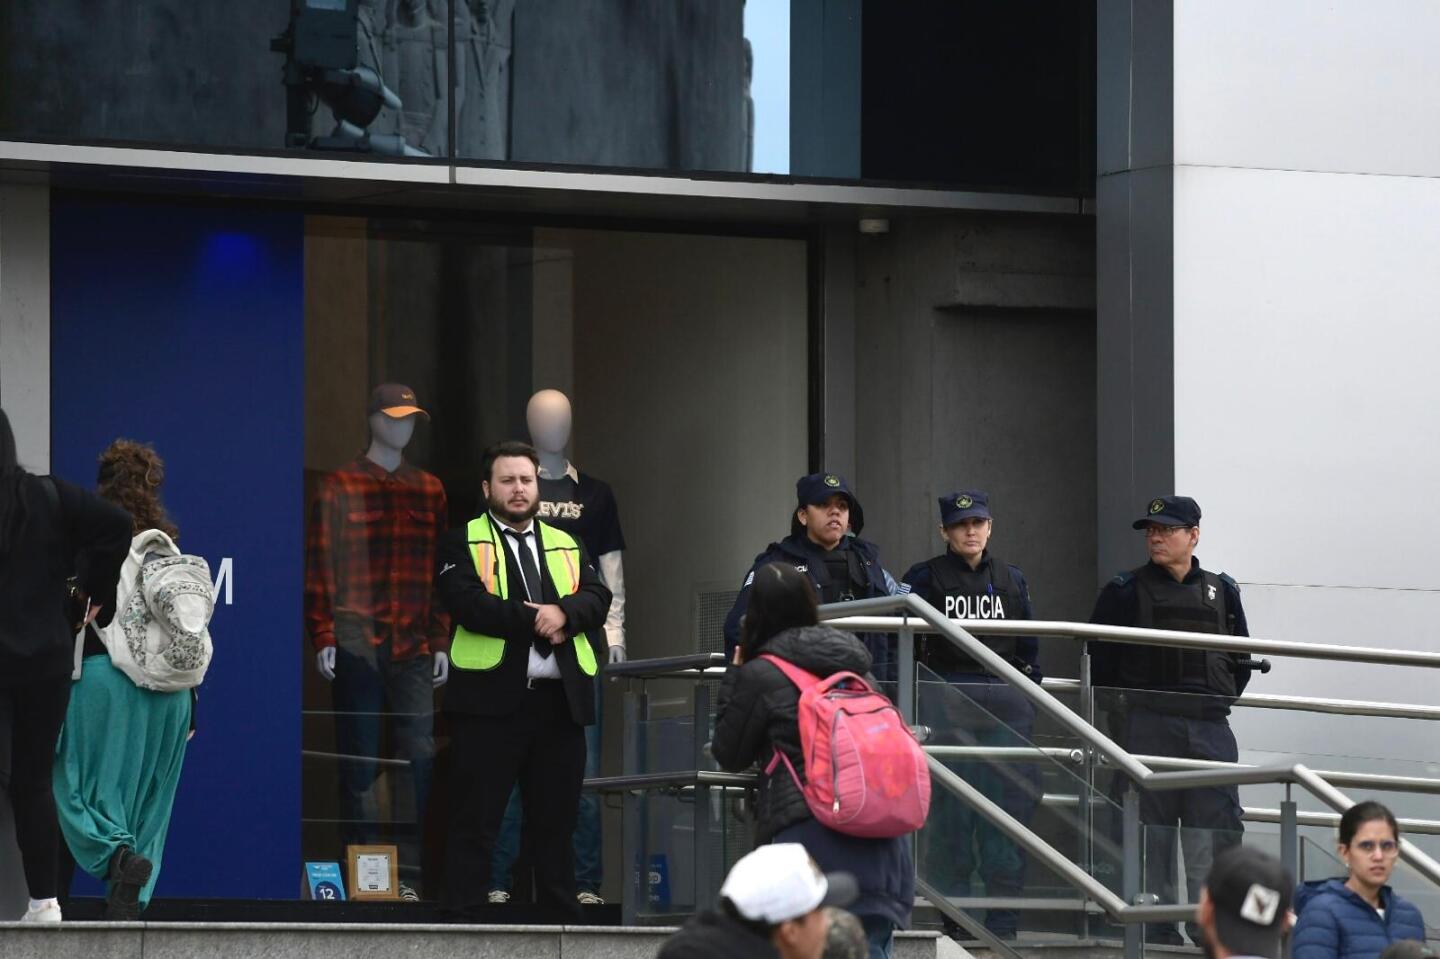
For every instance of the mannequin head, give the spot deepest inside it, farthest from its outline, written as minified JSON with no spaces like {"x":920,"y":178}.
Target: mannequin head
{"x":549,"y":417}
{"x":392,"y":432}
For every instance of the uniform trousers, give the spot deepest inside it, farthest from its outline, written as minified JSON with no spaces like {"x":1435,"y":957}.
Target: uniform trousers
{"x":1201,"y":822}
{"x":540,"y":748}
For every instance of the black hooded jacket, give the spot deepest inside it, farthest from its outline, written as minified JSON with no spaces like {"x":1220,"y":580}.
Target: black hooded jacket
{"x":711,"y":935}
{"x":758,"y":712}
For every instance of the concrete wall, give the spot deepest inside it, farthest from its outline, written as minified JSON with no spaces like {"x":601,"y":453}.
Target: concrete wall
{"x":974,"y":366}
{"x":690,"y":393}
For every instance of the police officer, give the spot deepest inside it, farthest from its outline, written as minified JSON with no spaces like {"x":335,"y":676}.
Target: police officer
{"x":825,"y":544}
{"x":968,"y":582}
{"x":1175,"y":702}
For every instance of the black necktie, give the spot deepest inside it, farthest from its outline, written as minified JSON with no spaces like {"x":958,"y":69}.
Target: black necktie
{"x":530,"y":573}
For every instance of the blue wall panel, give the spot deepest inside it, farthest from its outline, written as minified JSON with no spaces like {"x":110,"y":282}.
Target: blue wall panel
{"x":184,"y":327}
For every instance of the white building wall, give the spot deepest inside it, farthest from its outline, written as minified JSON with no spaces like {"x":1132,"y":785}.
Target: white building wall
{"x":1306,"y":273}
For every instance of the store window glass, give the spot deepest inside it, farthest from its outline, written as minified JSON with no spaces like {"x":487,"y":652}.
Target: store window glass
{"x":683,"y":362}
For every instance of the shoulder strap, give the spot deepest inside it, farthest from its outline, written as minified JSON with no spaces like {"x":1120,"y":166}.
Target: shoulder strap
{"x":794,"y":673}
{"x":1001,"y":579}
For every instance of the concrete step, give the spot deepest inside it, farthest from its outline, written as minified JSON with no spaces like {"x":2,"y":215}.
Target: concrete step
{"x":180,"y":940}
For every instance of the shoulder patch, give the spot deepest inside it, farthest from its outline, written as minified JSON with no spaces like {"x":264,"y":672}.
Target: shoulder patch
{"x":1229,"y":580}
{"x":748,"y":580}
{"x":1123,"y":579}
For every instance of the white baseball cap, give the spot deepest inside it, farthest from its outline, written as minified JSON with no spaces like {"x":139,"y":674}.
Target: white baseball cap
{"x":780,"y":882}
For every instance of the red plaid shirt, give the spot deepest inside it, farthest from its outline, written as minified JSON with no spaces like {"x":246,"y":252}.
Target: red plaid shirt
{"x":370,"y":565}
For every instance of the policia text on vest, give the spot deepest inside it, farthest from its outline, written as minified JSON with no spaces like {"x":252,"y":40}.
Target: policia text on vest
{"x":508,"y":726}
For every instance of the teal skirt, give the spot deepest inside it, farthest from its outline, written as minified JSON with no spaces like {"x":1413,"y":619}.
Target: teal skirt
{"x":117,"y":767}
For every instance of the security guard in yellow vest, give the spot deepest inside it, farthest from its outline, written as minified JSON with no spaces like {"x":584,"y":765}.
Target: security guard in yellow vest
{"x":528,"y":608}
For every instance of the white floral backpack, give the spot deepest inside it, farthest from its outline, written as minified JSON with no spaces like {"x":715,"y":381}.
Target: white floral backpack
{"x":160,"y":636}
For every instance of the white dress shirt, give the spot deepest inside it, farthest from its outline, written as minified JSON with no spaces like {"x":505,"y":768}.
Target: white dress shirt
{"x":539,"y":667}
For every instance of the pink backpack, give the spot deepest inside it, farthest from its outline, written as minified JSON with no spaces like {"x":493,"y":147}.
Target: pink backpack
{"x":866,"y":775}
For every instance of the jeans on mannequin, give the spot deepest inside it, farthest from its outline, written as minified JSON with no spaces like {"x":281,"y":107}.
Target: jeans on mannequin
{"x":369,"y":691}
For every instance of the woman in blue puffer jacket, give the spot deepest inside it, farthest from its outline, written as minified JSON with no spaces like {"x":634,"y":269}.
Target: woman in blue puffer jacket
{"x":1357,"y":917}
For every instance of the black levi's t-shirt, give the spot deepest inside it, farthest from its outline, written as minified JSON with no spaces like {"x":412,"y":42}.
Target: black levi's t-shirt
{"x":584,"y":509}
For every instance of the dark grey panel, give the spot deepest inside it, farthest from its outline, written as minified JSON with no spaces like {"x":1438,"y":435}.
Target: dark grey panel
{"x":1152,"y":84}
{"x":1135,"y":354}
{"x":1112,"y":86}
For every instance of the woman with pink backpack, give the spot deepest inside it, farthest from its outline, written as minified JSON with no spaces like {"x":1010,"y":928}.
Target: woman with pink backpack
{"x":761,"y":714}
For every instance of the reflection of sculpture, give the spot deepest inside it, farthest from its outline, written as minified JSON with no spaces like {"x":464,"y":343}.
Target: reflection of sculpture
{"x":407,"y":43}
{"x":368,"y":606}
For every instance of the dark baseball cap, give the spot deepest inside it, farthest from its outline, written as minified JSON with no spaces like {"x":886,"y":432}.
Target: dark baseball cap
{"x":815,"y":489}
{"x":1170,"y":511}
{"x":395,"y":399}
{"x":1251,"y":892}
{"x":963,"y":504}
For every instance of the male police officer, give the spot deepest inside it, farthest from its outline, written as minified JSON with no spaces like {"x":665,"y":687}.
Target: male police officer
{"x":968,"y":582}
{"x":1190,"y":692}
{"x":825,"y":544}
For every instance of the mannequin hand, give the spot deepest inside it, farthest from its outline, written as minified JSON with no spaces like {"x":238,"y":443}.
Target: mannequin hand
{"x":442,"y":669}
{"x":549,"y":619}
{"x":325,"y":662}
{"x":617,"y":653}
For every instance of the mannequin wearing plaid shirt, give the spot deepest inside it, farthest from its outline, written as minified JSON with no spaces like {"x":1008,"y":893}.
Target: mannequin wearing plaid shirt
{"x":370,"y":613}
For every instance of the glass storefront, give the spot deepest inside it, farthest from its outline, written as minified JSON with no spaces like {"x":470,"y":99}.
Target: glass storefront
{"x":683,"y":356}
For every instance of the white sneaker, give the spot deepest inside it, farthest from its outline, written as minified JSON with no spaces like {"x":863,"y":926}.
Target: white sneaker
{"x":498,"y":897}
{"x":47,"y":911}
{"x":588,"y":898}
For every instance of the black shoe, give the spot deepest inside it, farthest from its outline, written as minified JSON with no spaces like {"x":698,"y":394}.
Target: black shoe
{"x":129,"y":872}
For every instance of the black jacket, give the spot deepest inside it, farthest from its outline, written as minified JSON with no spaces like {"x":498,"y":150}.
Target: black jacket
{"x":73,"y":533}
{"x":499,"y":691}
{"x":758,"y":713}
{"x":711,"y":935}
{"x":797,"y":550}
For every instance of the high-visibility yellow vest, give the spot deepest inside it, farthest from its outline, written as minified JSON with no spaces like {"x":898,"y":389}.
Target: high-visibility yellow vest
{"x":562,"y":559}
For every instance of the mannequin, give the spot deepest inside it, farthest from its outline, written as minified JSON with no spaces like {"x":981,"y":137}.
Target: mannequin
{"x":370,"y":608}
{"x":585,"y":508}
{"x":549,"y":418}
{"x":389,"y":436}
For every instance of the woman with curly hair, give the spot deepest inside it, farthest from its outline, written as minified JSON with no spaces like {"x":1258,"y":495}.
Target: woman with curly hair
{"x":123,"y":746}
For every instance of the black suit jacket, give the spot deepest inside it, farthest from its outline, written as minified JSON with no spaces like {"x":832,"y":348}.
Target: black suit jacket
{"x":500,"y":691}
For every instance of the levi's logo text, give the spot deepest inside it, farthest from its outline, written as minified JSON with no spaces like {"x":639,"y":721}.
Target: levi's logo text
{"x":988,"y":606}
{"x":549,"y":510}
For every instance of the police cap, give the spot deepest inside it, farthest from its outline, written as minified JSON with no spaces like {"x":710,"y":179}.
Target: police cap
{"x":815,"y":489}
{"x":1170,"y":511}
{"x":963,"y":504}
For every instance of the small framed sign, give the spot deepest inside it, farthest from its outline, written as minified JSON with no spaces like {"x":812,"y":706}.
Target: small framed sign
{"x":323,"y":882}
{"x":374,"y":872}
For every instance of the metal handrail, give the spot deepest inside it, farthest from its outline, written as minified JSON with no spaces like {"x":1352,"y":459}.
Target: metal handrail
{"x":862,"y":615}
{"x":853,"y":615}
{"x":1308,"y":704}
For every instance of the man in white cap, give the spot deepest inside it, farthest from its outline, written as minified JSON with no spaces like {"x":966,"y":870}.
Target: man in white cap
{"x":1244,"y":908}
{"x":772,"y":904}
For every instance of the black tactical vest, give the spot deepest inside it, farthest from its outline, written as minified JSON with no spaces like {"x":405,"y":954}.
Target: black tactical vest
{"x":840,"y":575}
{"x":1194,"y":607}
{"x":964,"y":598}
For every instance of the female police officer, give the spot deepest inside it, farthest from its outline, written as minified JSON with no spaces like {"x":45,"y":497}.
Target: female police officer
{"x":825,"y":544}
